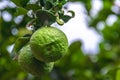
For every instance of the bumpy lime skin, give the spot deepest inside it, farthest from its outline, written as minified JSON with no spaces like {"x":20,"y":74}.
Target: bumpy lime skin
{"x":31,"y":65}
{"x":48,"y":44}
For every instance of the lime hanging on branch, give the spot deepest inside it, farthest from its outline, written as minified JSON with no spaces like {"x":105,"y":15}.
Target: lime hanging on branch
{"x":31,"y":65}
{"x":45,"y":44}
{"x":48,"y":44}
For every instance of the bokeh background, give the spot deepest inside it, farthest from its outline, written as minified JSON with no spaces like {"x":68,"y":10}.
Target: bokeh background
{"x":93,"y":35}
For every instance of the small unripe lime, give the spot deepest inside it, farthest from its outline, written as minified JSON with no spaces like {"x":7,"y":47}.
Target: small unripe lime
{"x":31,"y":65}
{"x":48,"y":44}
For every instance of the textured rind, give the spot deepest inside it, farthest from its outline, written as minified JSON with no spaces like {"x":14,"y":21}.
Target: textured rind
{"x":31,"y":65}
{"x":48,"y":44}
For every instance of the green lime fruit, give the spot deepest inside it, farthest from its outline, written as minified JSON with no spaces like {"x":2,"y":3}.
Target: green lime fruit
{"x":31,"y":65}
{"x":48,"y":44}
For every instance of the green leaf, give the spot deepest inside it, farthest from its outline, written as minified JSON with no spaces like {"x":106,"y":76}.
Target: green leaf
{"x":24,"y":2}
{"x":60,"y":1}
{"x":42,"y":2}
{"x":72,"y":12}
{"x":57,"y":7}
{"x":75,"y":46}
{"x":66,"y":18}
{"x":76,"y":53}
{"x":20,"y":3}
{"x":74,"y":56}
{"x":20,"y":11}
{"x":16,"y":2}
{"x":34,"y":7}
{"x":45,"y":17}
{"x":118,"y":74}
{"x":113,"y":72}
{"x":48,"y":5}
{"x":20,"y":42}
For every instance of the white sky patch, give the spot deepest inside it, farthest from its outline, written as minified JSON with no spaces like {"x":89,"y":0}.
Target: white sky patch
{"x":117,"y":2}
{"x":116,"y":7}
{"x":14,"y":31}
{"x":77,"y":29}
{"x":111,"y":19}
{"x":97,"y":5}
{"x":11,"y":5}
{"x":33,"y":1}
{"x":101,"y":25}
{"x":18,"y":19}
{"x":7,"y":16}
{"x":30,"y":13}
{"x":3,"y":4}
{"x":91,"y":39}
{"x":10,"y":47}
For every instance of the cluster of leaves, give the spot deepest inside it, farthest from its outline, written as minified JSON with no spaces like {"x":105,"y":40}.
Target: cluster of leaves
{"x":43,"y":12}
{"x":74,"y":66}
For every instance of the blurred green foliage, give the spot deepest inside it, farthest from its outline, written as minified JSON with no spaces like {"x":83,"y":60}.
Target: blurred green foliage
{"x":75,"y":65}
